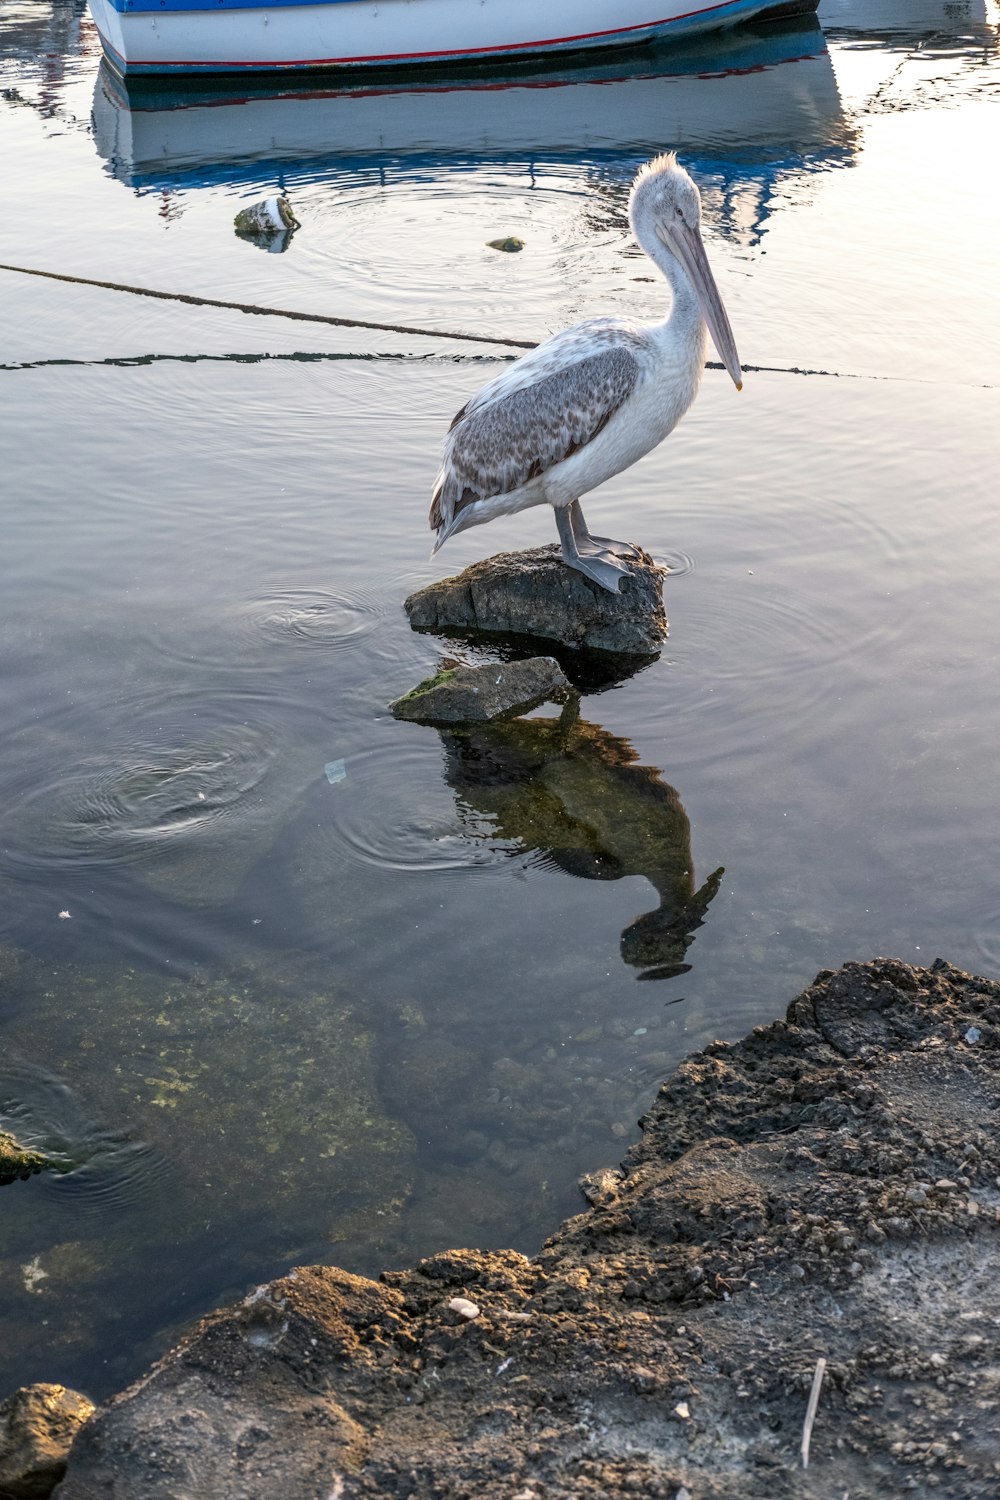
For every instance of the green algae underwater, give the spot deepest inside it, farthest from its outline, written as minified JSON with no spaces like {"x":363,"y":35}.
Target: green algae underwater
{"x":239,"y":1109}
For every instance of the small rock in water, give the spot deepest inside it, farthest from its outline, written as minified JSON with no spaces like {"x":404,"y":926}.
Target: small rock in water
{"x":475,"y":695}
{"x":17,"y":1160}
{"x":534,"y":593}
{"x":269,"y":224}
{"x":510,"y":244}
{"x":464,"y":1308}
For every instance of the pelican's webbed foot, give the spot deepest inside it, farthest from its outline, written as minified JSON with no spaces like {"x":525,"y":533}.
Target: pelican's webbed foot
{"x":598,"y":546}
{"x":600,"y":567}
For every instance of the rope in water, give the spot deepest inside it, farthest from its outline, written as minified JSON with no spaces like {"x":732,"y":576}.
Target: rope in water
{"x":434,"y":333}
{"x":270,"y":312}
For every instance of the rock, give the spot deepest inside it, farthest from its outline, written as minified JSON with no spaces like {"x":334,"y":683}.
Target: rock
{"x":269,"y":224}
{"x":37,"y":1426}
{"x":17,"y":1160}
{"x":601,"y":1188}
{"x":510,"y":244}
{"x":475,"y":695}
{"x":534,"y":593}
{"x":669,"y":1331}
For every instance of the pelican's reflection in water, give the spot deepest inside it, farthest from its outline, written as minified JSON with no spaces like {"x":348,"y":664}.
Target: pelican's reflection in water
{"x":575,"y":792}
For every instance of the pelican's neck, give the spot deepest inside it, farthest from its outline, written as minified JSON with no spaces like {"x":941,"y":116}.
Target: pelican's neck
{"x":683,"y":330}
{"x":684,"y":322}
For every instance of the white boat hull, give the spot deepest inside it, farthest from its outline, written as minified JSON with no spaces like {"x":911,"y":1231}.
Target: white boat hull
{"x":236,"y":36}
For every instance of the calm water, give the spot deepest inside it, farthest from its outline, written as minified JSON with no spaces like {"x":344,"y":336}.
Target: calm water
{"x":269,"y":1016}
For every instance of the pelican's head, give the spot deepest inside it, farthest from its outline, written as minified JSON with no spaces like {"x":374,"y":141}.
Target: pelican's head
{"x":665,"y":211}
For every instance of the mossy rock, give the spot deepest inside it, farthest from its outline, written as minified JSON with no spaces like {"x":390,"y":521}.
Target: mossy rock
{"x":475,"y":695}
{"x":17,"y":1160}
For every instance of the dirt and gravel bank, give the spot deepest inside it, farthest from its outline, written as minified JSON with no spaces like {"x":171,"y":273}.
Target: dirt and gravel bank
{"x":825,"y":1188}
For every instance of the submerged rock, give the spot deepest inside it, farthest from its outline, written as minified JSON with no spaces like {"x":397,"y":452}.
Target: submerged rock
{"x":534,"y":593}
{"x":665,"y":1338}
{"x":17,"y":1160}
{"x":475,"y":695}
{"x":248,"y":1095}
{"x":37,"y":1427}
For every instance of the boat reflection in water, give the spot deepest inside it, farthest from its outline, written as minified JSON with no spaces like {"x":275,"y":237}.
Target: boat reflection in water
{"x":911,"y":23}
{"x":755,"y":95}
{"x":574,"y":792}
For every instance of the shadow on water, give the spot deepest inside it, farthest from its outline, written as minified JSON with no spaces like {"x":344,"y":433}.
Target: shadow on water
{"x":573,"y":792}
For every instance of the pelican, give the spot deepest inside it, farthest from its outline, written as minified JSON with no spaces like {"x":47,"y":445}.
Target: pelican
{"x":594,"y":398}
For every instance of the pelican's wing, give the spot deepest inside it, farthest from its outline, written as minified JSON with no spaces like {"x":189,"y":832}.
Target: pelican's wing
{"x":497,"y":446}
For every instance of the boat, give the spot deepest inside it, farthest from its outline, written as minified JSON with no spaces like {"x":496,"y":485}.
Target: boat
{"x":754,"y":107}
{"x":168,"y":37}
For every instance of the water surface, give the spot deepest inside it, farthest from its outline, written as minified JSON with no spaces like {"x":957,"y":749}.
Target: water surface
{"x":266,"y":1016}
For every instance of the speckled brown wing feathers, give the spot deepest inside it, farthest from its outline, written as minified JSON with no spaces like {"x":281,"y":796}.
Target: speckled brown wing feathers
{"x":506,"y":443}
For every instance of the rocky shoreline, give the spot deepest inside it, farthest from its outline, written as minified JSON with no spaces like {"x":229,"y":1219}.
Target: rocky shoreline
{"x":826,"y":1188}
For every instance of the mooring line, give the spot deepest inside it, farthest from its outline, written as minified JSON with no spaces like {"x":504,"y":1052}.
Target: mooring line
{"x":434,"y":333}
{"x":300,"y":356}
{"x":329,"y":356}
{"x":269,"y":312}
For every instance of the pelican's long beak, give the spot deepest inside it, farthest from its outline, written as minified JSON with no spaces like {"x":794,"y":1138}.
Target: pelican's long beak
{"x":688,"y":247}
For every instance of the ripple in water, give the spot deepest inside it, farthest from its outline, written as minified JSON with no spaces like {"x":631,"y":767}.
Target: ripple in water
{"x":379,"y":222}
{"x":240,"y":640}
{"x":137,"y":800}
{"x":102,"y":1171}
{"x":744,"y":660}
{"x":311,"y":617}
{"x":400,"y":816}
{"x":677,"y":563}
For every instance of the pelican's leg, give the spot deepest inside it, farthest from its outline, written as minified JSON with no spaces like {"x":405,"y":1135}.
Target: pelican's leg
{"x":597,"y":546}
{"x":602,"y":570}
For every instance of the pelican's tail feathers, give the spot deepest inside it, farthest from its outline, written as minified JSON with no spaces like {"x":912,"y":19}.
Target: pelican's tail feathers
{"x":448,"y":528}
{"x":449,"y":509}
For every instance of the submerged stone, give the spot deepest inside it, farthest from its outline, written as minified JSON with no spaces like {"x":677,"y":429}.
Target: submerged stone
{"x":475,"y":695}
{"x":534,"y":593}
{"x":250,"y":1094}
{"x":17,"y":1160}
